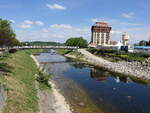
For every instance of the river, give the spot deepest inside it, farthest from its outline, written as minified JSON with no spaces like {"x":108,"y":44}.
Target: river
{"x":89,"y":89}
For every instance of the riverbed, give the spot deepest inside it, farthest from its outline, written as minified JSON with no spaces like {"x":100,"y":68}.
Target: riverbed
{"x":88,"y":89}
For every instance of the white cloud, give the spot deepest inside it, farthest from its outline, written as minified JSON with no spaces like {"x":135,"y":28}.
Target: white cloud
{"x":57,"y":35}
{"x":94,"y":20}
{"x":115,"y":22}
{"x":53,"y":34}
{"x":56,"y":6}
{"x":61,"y":32}
{"x":39,"y":23}
{"x":12,"y":21}
{"x":100,"y":20}
{"x":25,"y":26}
{"x":65,"y":26}
{"x":128,"y":15}
{"x":136,"y":34}
{"x":115,"y":32}
{"x":45,"y":30}
{"x":28,"y":22}
{"x":131,"y":24}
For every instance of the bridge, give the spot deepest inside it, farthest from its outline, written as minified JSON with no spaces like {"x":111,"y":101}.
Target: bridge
{"x":41,"y":47}
{"x":55,"y":62}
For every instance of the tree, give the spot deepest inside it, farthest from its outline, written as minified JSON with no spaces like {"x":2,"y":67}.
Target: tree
{"x":7,"y":35}
{"x":78,"y":41}
{"x":149,"y":42}
{"x":14,"y":42}
{"x":144,"y":43}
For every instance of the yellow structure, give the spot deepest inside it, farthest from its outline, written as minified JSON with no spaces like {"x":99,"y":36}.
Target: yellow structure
{"x":125,"y":39}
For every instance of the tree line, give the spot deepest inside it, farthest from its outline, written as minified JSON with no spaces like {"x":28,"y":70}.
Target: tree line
{"x":143,"y":43}
{"x":7,"y":35}
{"x":76,"y":41}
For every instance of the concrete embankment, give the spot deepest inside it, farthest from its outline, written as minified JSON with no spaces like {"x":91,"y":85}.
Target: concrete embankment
{"x":51,"y":101}
{"x":134,"y":69}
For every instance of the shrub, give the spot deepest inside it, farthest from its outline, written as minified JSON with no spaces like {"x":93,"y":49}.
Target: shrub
{"x":116,"y":55}
{"x":12,"y":51}
{"x":77,"y":41}
{"x":43,"y":79}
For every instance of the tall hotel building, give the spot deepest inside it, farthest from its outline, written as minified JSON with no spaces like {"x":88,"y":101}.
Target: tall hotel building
{"x":100,"y":34}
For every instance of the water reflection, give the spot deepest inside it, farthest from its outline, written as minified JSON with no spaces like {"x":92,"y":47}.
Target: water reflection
{"x":99,"y":75}
{"x":122,"y":79}
{"x":78,"y":65}
{"x":50,"y":58}
{"x":105,"y":89}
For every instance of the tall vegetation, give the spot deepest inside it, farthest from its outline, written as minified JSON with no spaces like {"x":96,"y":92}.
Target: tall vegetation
{"x":19,"y":82}
{"x":7,"y":35}
{"x":114,"y":56}
{"x":78,"y":41}
{"x":143,"y":43}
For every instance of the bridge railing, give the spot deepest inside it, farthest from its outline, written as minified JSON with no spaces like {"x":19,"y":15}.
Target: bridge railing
{"x":41,"y":47}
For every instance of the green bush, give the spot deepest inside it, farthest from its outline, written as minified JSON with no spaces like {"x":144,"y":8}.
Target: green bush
{"x":43,"y":79}
{"x":79,"y":42}
{"x":63,"y":51}
{"x":116,"y":55}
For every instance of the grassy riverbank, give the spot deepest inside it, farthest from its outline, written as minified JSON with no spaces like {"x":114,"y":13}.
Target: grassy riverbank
{"x":63,"y":51}
{"x":69,"y":52}
{"x":19,"y":82}
{"x":114,"y":56}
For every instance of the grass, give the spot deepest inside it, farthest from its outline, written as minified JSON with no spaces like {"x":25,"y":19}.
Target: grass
{"x":20,"y":85}
{"x":114,"y":56}
{"x":76,"y":53}
{"x":63,"y":51}
{"x":71,"y":52}
{"x":43,"y":79}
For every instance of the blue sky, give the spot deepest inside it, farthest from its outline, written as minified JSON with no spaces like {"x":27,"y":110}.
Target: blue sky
{"x":57,"y":20}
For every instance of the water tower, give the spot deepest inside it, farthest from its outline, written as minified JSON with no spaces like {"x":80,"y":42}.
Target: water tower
{"x":125,"y":39}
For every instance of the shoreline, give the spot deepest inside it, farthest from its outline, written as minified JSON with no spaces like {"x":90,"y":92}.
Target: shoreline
{"x":51,"y":101}
{"x":122,"y":68}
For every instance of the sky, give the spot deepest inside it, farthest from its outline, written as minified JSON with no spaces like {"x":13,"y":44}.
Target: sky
{"x":58,"y":20}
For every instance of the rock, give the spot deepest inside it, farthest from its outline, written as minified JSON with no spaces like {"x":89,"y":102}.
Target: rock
{"x":81,"y":104}
{"x":134,"y":68}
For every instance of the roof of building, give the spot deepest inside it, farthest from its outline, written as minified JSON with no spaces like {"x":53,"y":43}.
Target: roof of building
{"x":101,"y":24}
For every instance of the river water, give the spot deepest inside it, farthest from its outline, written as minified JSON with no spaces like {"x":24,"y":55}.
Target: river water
{"x":92,"y":90}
